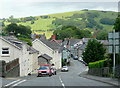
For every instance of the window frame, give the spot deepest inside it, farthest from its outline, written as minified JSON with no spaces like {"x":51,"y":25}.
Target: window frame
{"x":8,"y":50}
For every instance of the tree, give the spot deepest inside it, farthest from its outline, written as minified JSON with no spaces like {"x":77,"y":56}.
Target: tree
{"x":94,"y":51}
{"x":71,"y":31}
{"x":18,"y":30}
{"x":107,"y":21}
{"x":102,"y":35}
{"x":117,"y":25}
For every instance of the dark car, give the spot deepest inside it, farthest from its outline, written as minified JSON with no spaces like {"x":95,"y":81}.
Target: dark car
{"x":75,"y":57}
{"x":44,"y":69}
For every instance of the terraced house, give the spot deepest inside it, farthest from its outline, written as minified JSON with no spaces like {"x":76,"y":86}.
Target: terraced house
{"x":51,"y":51}
{"x":20,"y":59}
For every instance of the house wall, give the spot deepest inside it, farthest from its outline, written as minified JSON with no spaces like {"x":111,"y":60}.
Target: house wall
{"x":72,"y":49}
{"x":14,"y":52}
{"x":41,"y":61}
{"x":66,"y":54}
{"x":57,"y":59}
{"x":79,"y":53}
{"x":26,"y":60}
{"x":35,"y":62}
{"x":43,"y":49}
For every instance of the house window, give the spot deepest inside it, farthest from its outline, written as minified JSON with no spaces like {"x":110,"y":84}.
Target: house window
{"x":5,"y":51}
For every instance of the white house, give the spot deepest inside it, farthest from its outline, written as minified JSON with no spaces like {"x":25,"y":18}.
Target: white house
{"x":51,"y":49}
{"x":11,"y":48}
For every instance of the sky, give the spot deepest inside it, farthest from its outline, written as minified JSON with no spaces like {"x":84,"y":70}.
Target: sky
{"x":23,"y":8}
{"x":59,"y":0}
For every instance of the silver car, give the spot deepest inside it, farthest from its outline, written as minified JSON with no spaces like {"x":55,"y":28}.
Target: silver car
{"x":64,"y":68}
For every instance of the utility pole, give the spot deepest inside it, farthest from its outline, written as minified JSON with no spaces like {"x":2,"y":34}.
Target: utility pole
{"x":114,"y":52}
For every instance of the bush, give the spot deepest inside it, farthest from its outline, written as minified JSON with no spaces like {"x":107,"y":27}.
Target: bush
{"x":26,"y":40}
{"x":100,"y":63}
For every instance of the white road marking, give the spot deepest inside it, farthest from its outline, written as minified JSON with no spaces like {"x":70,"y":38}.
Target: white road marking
{"x":19,"y":83}
{"x":12,"y":82}
{"x":61,"y":82}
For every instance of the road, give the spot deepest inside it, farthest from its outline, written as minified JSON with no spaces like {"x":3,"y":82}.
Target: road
{"x":62,"y":79}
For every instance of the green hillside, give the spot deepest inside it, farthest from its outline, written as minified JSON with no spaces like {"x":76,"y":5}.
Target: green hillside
{"x":86,"y":19}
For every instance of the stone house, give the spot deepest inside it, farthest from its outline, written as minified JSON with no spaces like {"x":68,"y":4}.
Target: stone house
{"x":52,"y":49}
{"x":12,"y":48}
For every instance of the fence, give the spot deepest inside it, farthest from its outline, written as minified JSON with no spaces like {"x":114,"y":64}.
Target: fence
{"x":106,"y":71}
{"x":99,"y":71}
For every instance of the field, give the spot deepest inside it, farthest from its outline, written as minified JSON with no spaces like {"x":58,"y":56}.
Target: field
{"x":44,"y":25}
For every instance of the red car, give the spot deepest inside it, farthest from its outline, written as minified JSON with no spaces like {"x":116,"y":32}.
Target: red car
{"x":44,"y":69}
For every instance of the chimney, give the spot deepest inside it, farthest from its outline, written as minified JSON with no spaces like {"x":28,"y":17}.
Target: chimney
{"x":53,"y":37}
{"x":36,"y":36}
{"x":72,"y":37}
{"x":94,"y":36}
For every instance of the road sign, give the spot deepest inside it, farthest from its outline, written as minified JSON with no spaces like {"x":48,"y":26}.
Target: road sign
{"x":113,"y":45}
{"x":113,"y":42}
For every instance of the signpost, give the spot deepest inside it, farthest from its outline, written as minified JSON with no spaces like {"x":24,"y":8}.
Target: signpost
{"x":113,"y":46}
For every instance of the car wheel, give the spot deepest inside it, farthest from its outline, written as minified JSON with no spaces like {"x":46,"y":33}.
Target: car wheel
{"x":55,"y":73}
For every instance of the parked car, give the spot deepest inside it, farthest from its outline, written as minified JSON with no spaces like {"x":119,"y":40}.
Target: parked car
{"x":53,"y":70}
{"x":75,"y":57}
{"x":64,"y":68}
{"x":44,"y":69}
{"x":81,"y":60}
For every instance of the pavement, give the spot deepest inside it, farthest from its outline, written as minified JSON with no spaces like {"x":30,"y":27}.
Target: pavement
{"x":111,"y":81}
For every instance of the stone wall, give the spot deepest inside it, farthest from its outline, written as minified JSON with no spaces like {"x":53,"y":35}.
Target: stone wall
{"x":13,"y":70}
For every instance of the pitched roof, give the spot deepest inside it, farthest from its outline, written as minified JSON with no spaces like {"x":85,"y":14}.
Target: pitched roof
{"x":52,"y":45}
{"x":19,"y":43}
{"x":46,"y":57}
{"x":82,"y":47}
{"x":74,"y":41}
{"x":85,"y":40}
{"x":105,"y":42}
{"x":32,"y":50}
{"x":14,"y":41}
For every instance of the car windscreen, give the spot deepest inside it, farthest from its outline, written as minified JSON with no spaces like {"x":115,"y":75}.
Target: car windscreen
{"x":44,"y":68}
{"x":64,"y":67}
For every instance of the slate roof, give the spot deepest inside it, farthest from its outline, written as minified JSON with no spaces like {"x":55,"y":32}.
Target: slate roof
{"x":74,"y":41}
{"x":82,"y":47}
{"x":14,"y":41}
{"x":32,"y":50}
{"x":85,"y":40}
{"x":19,"y":43}
{"x":65,"y":42}
{"x":46,"y":57}
{"x":105,"y":42}
{"x":52,"y":45}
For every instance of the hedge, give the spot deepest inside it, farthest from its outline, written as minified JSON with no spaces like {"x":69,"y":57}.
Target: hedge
{"x":100,"y":63}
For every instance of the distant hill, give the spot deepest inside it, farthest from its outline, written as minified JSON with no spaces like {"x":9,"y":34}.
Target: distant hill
{"x":86,"y":19}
